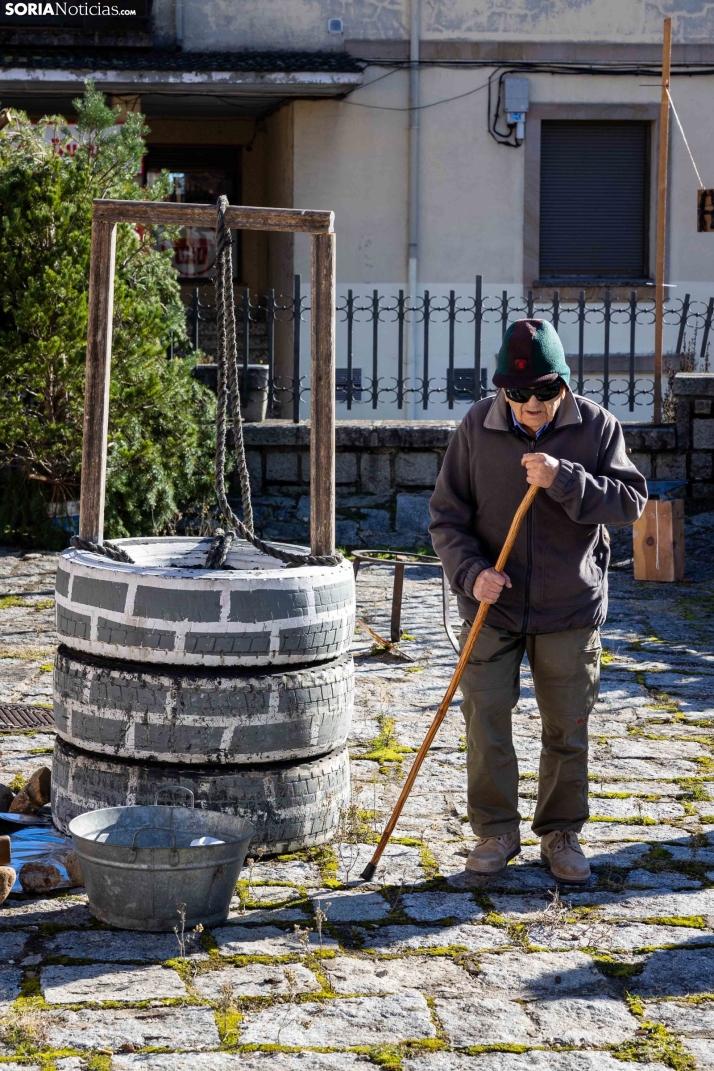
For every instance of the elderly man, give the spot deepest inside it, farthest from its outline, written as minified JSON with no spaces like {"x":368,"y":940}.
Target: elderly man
{"x":552,"y":600}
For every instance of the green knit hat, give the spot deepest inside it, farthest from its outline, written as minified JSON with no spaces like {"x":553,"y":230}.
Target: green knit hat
{"x":530,"y":353}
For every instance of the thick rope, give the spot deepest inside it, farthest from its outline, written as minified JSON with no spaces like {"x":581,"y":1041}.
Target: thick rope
{"x":107,"y":550}
{"x":227,"y":367}
{"x":218,"y":551}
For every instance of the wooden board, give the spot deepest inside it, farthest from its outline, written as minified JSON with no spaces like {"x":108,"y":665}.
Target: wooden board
{"x":658,"y":541}
{"x":238,"y":217}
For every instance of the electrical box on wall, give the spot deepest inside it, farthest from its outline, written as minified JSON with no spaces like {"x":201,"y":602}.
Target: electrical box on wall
{"x":517,"y":98}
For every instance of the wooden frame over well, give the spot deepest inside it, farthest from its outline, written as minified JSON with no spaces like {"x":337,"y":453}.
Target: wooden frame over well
{"x":320,"y":225}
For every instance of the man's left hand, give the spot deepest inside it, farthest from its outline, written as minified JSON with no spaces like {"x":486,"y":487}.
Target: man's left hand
{"x":541,"y":469}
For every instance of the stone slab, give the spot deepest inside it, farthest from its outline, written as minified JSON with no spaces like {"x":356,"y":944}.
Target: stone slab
{"x":400,"y":864}
{"x":112,"y":946}
{"x":604,"y":831}
{"x":665,"y":879}
{"x":353,"y":905}
{"x":548,"y":974}
{"x":257,"y":980}
{"x":10,"y":980}
{"x":702,"y":1051}
{"x":271,"y":894}
{"x":512,"y":877}
{"x":526,"y":1061}
{"x":57,"y":911}
{"x":229,"y":1061}
{"x":677,"y":973}
{"x":691,"y":1020}
{"x":484,"y":1021}
{"x":169,"y":1027}
{"x":588,"y":1021}
{"x":403,"y":938}
{"x":11,"y":947}
{"x":341,"y":1023}
{"x":431,"y":975}
{"x":658,"y":905}
{"x":239,"y":914}
{"x":292,"y":870}
{"x":616,"y":937}
{"x":263,"y":941}
{"x":430,"y":907}
{"x":94,"y":982}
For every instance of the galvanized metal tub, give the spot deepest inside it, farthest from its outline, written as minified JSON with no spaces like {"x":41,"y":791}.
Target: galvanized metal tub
{"x":142,"y":872}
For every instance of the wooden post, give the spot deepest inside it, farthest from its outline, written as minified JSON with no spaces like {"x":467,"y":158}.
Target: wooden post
{"x":322,"y":396}
{"x":96,"y":394}
{"x":661,"y":217}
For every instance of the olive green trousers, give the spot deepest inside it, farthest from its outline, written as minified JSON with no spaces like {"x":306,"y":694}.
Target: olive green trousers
{"x":566,"y":674}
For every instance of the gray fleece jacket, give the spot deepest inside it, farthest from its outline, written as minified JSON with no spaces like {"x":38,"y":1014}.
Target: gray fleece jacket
{"x":558,"y":565}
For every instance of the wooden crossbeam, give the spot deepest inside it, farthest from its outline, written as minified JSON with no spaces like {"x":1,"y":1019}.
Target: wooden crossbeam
{"x":238,"y":217}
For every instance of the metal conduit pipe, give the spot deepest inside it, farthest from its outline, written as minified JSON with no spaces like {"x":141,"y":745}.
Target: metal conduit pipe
{"x":178,"y":11}
{"x":413,"y":210}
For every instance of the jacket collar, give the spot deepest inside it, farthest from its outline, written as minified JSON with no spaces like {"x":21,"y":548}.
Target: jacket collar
{"x":497,"y":416}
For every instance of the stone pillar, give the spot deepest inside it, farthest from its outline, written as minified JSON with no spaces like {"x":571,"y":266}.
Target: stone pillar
{"x":694,"y":392}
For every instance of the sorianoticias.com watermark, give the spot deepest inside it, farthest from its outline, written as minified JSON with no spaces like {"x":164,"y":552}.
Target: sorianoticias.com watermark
{"x":73,"y":10}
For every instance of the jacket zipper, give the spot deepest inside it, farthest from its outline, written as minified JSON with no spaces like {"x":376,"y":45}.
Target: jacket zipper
{"x":529,"y":556}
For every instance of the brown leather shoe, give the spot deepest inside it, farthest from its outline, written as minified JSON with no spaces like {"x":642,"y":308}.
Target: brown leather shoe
{"x":561,"y":851}
{"x":492,"y":853}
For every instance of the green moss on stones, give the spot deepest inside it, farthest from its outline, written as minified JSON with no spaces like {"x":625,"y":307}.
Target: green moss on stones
{"x":8,"y":601}
{"x":98,"y":1061}
{"x":385,"y":749}
{"x":635,"y":1004}
{"x":613,"y":968}
{"x":386,"y":1057}
{"x":428,"y":862}
{"x":501,"y":1046}
{"x":655,"y":1044}
{"x":633,"y":820}
{"x":693,"y":922}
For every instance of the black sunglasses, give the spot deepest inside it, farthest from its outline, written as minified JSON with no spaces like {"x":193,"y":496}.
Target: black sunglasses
{"x":546,"y":393}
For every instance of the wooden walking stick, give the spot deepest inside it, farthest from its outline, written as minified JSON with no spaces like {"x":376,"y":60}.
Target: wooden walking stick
{"x":368,"y":872}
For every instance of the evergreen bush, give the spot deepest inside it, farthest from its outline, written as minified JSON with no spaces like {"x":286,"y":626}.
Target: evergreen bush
{"x":160,"y":435}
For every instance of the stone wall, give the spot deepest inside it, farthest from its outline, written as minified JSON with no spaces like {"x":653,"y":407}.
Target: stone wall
{"x":385,"y":473}
{"x":694,"y":392}
{"x":386,"y":470}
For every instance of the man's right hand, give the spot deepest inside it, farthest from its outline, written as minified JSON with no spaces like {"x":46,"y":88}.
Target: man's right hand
{"x":489,"y":585}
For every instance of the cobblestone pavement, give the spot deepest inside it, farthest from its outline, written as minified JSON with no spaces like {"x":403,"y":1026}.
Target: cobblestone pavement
{"x":424,"y":969}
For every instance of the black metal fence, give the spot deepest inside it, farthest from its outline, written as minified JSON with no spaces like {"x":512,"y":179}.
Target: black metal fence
{"x":609,"y":342}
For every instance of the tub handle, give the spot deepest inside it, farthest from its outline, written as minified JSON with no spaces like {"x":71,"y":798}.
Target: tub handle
{"x":173,"y":856}
{"x":174,"y":788}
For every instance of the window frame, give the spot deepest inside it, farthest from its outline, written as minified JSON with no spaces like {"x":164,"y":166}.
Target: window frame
{"x":648,"y":113}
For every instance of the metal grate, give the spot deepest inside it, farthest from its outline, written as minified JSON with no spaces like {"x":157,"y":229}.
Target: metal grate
{"x":14,"y":717}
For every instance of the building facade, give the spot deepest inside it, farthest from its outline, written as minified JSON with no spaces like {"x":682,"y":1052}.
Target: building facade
{"x":514,"y":142}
